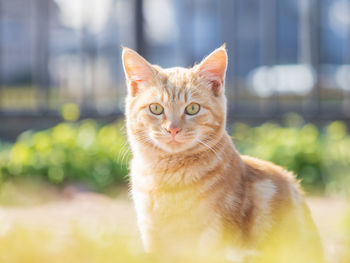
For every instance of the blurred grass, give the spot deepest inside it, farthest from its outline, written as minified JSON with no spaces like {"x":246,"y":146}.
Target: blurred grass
{"x":94,"y":228}
{"x":42,"y":245}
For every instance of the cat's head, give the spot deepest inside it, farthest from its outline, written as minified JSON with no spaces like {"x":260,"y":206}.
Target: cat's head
{"x":175,"y":109}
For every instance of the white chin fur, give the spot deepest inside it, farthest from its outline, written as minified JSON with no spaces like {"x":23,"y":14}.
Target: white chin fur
{"x":173,"y":148}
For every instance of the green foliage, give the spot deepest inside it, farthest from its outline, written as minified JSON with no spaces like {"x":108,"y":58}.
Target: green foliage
{"x":81,"y":152}
{"x":99,"y":156}
{"x":320,"y":158}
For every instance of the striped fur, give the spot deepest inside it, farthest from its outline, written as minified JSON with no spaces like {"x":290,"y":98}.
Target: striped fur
{"x":200,"y":195}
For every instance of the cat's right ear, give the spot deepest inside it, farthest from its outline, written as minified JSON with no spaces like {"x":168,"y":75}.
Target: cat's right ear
{"x":137,"y":70}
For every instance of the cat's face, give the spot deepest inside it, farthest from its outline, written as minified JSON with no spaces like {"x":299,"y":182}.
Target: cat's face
{"x":175,"y":109}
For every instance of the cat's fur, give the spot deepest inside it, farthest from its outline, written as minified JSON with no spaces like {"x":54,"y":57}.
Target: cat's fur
{"x":193,"y":192}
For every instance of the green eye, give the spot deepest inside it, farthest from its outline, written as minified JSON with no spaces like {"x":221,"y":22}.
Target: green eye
{"x":156,"y":108}
{"x":192,"y":109}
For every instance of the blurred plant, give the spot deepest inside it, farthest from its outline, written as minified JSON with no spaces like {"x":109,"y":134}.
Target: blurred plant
{"x":88,"y":153}
{"x":80,"y":152}
{"x":320,"y":159}
{"x":70,"y":112}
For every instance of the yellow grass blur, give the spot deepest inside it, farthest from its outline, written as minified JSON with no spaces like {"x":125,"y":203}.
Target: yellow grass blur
{"x":88,"y":227}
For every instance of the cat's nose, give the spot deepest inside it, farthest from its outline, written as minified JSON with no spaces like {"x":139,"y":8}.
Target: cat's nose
{"x":173,"y":130}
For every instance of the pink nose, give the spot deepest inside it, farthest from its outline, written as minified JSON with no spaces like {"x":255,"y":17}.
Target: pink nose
{"x":173,"y":131}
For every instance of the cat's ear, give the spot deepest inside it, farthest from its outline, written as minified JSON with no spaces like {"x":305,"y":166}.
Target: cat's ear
{"x":137,"y":70}
{"x":213,"y":69}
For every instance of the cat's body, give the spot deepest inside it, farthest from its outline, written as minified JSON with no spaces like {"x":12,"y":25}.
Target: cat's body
{"x":193,"y":192}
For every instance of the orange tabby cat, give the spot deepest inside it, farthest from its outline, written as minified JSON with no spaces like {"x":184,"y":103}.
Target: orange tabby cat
{"x":193,"y":192}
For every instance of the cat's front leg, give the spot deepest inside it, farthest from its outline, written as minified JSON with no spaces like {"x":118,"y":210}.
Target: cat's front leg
{"x":212,"y":244}
{"x":143,"y":207}
{"x":210,"y":239}
{"x":149,"y":240}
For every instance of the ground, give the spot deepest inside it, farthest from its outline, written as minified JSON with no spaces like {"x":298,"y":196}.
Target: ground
{"x":83,"y":224}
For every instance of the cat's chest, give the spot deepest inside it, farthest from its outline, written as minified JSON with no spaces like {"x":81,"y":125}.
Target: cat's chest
{"x":167,"y":198}
{"x":165,"y":206}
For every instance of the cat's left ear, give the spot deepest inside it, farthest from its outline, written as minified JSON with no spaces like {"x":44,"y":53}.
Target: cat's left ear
{"x":213,"y":69}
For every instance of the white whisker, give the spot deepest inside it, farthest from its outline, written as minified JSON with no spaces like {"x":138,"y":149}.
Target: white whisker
{"x":122,"y":149}
{"x":206,"y":145}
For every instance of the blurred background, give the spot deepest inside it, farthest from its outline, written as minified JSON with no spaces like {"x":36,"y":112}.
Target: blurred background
{"x":290,"y":55}
{"x":62,"y":90}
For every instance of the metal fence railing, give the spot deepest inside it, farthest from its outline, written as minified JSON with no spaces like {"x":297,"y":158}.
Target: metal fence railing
{"x":284,"y":55}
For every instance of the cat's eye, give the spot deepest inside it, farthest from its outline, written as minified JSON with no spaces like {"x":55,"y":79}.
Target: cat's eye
{"x":192,"y":109}
{"x":156,"y":108}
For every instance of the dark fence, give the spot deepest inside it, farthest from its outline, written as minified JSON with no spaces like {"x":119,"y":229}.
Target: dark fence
{"x":285,"y":56}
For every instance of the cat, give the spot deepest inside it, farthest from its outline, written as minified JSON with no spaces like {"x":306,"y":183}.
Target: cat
{"x":194,"y":194}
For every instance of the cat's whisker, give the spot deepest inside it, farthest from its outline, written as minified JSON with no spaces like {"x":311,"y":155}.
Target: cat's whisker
{"x":211,"y":138}
{"x":120,"y":155}
{"x":122,"y":149}
{"x":125,"y":151}
{"x":210,"y":148}
{"x":123,"y":157}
